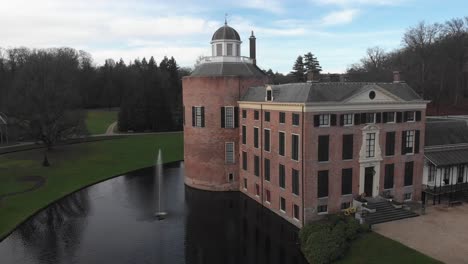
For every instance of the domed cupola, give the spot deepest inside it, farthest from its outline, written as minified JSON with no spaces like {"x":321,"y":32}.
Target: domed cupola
{"x":226,"y":42}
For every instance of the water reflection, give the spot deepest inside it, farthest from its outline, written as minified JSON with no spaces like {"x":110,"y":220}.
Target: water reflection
{"x":113,"y":222}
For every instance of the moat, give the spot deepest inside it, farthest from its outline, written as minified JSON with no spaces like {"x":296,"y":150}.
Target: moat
{"x":114,"y":222}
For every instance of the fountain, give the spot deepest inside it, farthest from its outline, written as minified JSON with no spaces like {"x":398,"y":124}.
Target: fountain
{"x":160,"y":214}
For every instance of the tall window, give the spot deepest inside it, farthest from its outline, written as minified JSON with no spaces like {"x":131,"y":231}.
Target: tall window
{"x":409,"y":141}
{"x":282,"y":117}
{"x":256,"y":115}
{"x":256,"y":137}
{"x":229,"y":49}
{"x":322,"y":184}
{"x":266,"y":165}
{"x":410,"y":116}
{"x":282,"y":176}
{"x":229,"y":116}
{"x":295,"y":119}
{"x":256,"y":165}
{"x":230,"y":153}
{"x":370,"y":145}
{"x":390,"y":144}
{"x":238,"y":50}
{"x":346,"y":181}
{"x":198,"y":116}
{"x":245,"y":183}
{"x":409,"y":173}
{"x":257,"y":190}
{"x":370,"y":118}
{"x":219,"y":49}
{"x":244,"y":160}
{"x":447,"y":172}
{"x":267,"y":116}
{"x":283,"y":204}
{"x":348,"y":119}
{"x":244,"y":135}
{"x":389,"y":175}
{"x":461,"y":173}
{"x":432,"y":173}
{"x":267,"y":196}
{"x":266,"y":139}
{"x":282,"y":139}
{"x":295,"y":147}
{"x":347,"y":147}
{"x":323,"y":145}
{"x":389,"y":117}
{"x":269,"y":95}
{"x":296,"y":212}
{"x":244,"y":113}
{"x":324,"y":120}
{"x":295,"y":181}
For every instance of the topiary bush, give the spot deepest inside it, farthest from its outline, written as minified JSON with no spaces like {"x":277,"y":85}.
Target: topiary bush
{"x":327,"y":240}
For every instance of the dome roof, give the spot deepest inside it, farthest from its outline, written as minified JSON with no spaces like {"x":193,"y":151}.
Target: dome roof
{"x":226,"y":32}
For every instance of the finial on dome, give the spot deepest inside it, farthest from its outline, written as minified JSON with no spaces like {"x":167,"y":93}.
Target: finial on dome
{"x":225,"y":19}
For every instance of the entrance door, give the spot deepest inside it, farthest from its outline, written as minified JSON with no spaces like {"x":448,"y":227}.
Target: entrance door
{"x":369,"y":181}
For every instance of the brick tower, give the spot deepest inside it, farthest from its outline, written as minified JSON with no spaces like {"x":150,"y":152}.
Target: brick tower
{"x":210,"y":96}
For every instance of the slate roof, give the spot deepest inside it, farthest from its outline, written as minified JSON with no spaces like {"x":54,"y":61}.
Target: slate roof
{"x":445,"y":132}
{"x":228,"y":69}
{"x":448,"y":157}
{"x":226,"y":32}
{"x":325,"y":91}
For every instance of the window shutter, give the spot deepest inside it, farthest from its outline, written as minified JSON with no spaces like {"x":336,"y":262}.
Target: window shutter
{"x":193,"y":115}
{"x":418,"y":115}
{"x":341,"y":120}
{"x":316,"y":120}
{"x":416,"y":141}
{"x":202,"y":116}
{"x":403,"y":143}
{"x":378,"y":117}
{"x":385,"y":117}
{"x":223,"y":117}
{"x":236,"y":116}
{"x":333,"y":119}
{"x":398,"y":117}
{"x":357,"y":119}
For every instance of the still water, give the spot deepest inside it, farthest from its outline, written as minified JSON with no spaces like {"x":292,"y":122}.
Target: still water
{"x":113,"y":222}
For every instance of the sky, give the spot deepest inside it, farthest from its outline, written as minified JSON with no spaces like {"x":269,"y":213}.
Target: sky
{"x":338,"y":32}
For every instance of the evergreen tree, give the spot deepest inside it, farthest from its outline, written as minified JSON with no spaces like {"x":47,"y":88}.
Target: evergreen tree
{"x":311,"y":63}
{"x":299,"y":72}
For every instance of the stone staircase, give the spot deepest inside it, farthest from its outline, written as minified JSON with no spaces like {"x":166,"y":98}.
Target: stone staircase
{"x":385,"y":212}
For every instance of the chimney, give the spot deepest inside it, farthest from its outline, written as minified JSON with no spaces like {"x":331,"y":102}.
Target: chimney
{"x":396,"y":77}
{"x":252,"y":48}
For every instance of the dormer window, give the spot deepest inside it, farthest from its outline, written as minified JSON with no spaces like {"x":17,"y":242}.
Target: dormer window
{"x":269,"y":95}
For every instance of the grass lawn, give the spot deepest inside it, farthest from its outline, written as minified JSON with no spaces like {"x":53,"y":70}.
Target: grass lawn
{"x":374,"y":248}
{"x":97,"y":121}
{"x":75,"y":166}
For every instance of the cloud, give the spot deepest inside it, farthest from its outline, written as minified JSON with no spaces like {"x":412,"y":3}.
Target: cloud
{"x":273,"y":6}
{"x":345,"y":16}
{"x":359,"y":2}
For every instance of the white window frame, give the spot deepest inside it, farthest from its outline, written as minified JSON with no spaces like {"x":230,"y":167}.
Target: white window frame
{"x":431,"y":173}
{"x":229,"y":120}
{"x":324,"y":120}
{"x":346,"y":118}
{"x":198,"y":116}
{"x":233,"y":153}
{"x":281,"y":209}
{"x":323,"y":212}
{"x":410,"y":196}
{"x":271,"y":95}
{"x":410,"y":141}
{"x":244,"y":183}
{"x":229,"y":45}
{"x":394,"y":117}
{"x":266,"y":196}
{"x":414,"y":117}
{"x":257,"y":190}
{"x":370,"y":144}
{"x":298,"y":147}
{"x":264,"y":141}
{"x":373,"y":118}
{"x":298,"y":211}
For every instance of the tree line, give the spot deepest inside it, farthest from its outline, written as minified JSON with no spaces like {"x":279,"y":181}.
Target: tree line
{"x":302,"y":68}
{"x":433,"y":60}
{"x":45,"y":92}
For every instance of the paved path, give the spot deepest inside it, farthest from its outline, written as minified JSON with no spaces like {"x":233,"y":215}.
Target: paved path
{"x":111,"y":128}
{"x":442,"y":233}
{"x":37,"y":180}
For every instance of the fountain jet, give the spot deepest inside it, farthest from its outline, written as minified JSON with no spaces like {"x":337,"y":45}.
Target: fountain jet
{"x":160,"y":214}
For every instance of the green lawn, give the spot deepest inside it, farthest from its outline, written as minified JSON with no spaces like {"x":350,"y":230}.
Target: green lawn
{"x":97,"y":121}
{"x":374,"y":248}
{"x":75,"y":166}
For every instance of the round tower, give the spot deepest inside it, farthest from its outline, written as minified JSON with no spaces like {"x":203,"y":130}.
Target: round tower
{"x":211,"y":123}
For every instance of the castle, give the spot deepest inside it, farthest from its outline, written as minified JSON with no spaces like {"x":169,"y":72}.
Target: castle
{"x":301,"y":149}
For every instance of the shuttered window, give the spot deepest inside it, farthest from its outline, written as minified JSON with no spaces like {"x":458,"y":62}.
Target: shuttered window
{"x":198,"y":116}
{"x":229,"y":117}
{"x":295,"y":181}
{"x":390,"y":143}
{"x":409,"y":173}
{"x":346,"y":181}
{"x":323,"y":145}
{"x":347,"y":147}
{"x":281,"y":138}
{"x":389,"y":175}
{"x":322,"y":184}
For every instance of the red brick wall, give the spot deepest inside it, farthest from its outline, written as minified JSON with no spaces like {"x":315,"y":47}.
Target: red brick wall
{"x":204,"y":148}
